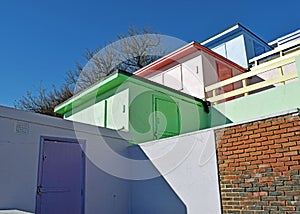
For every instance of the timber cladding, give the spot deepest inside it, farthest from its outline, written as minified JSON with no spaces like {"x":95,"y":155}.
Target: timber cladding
{"x":259,"y":164}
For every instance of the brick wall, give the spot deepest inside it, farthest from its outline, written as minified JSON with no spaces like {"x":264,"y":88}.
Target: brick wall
{"x":259,"y":166}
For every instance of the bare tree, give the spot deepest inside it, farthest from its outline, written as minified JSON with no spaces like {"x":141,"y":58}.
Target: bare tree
{"x":129,"y":53}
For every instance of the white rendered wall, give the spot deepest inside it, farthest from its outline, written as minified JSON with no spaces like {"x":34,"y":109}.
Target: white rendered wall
{"x":19,"y":151}
{"x":116,"y":111}
{"x":185,"y":75}
{"x":189,"y":164}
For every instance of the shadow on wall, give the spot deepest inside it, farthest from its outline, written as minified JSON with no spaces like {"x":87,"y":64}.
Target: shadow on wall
{"x":155,"y":195}
{"x":216,"y":118}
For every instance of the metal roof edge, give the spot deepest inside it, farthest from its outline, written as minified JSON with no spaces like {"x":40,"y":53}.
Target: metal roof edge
{"x":230,"y":30}
{"x":86,"y":91}
{"x":129,"y":76}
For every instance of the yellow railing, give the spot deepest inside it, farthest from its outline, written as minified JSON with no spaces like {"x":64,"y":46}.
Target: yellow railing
{"x":262,"y":63}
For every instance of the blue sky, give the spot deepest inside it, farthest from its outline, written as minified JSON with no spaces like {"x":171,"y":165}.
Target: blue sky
{"x":42,"y":40}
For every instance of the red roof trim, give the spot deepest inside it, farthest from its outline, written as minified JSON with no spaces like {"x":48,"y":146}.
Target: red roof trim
{"x":180,"y":53}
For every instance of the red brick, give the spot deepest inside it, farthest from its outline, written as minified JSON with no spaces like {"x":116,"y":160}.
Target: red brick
{"x":267,"y":133}
{"x":227,"y":153}
{"x":229,"y":131}
{"x":244,"y":155}
{"x":256,"y":162}
{"x":274,"y":137}
{"x":251,"y":158}
{"x":290,"y":134}
{"x":277,"y":122}
{"x":276,"y":155}
{"x":245,"y":146}
{"x":294,"y":129}
{"x":242,"y":138}
{"x":238,"y":151}
{"x":265,"y":124}
{"x":244,"y":164}
{"x":238,"y":160}
{"x":296,"y":157}
{"x":252,"y":127}
{"x":280,"y":169}
{"x":226,"y":144}
{"x":266,"y":179}
{"x":252,"y":167}
{"x":269,"y":160}
{"x":297,"y":123}
{"x":249,"y":141}
{"x":233,"y":156}
{"x":241,"y":168}
{"x":231,"y":177}
{"x":262,"y":148}
{"x":283,"y":159}
{"x":294,"y":148}
{"x":286,"y":125}
{"x":232,"y":139}
{"x":224,"y":165}
{"x":255,"y":144}
{"x":236,"y":135}
{"x":291,"y":163}
{"x":263,"y":157}
{"x":260,"y":130}
{"x":295,"y":167}
{"x":294,"y":138}
{"x":254,"y":136}
{"x":240,"y":129}
{"x":232,"y":148}
{"x":256,"y":153}
{"x":260,"y":193}
{"x":275,"y":146}
{"x":289,"y":144}
{"x":219,"y":134}
{"x":230,"y":169}
{"x":291,"y":153}
{"x":233,"y":164}
{"x":280,"y":131}
{"x":253,"y":149}
{"x":270,"y":151}
{"x":272,"y":128}
{"x":278,"y":164}
{"x":237,"y":143}
{"x":281,"y":140}
{"x":261,"y":139}
{"x":267,"y":142}
{"x":282,"y":150}
{"x":247,"y":133}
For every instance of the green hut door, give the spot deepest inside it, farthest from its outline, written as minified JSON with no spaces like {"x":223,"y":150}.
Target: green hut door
{"x":166,"y":118}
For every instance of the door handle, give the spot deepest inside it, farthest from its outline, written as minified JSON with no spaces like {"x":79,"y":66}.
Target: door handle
{"x":39,"y":192}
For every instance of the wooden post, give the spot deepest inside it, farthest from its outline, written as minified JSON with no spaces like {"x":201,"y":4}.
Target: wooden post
{"x":244,"y":82}
{"x":214,"y":94}
{"x":281,"y":73}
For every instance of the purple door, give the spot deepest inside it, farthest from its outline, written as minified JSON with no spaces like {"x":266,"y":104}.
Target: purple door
{"x":61,"y":178}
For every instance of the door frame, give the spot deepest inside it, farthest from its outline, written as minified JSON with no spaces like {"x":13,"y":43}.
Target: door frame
{"x":82,"y":144}
{"x":167,"y":99}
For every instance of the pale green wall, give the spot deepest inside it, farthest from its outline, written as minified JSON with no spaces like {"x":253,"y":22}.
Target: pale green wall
{"x":278,"y":99}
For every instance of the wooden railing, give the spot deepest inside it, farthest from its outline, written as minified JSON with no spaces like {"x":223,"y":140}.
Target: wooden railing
{"x":265,"y":62}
